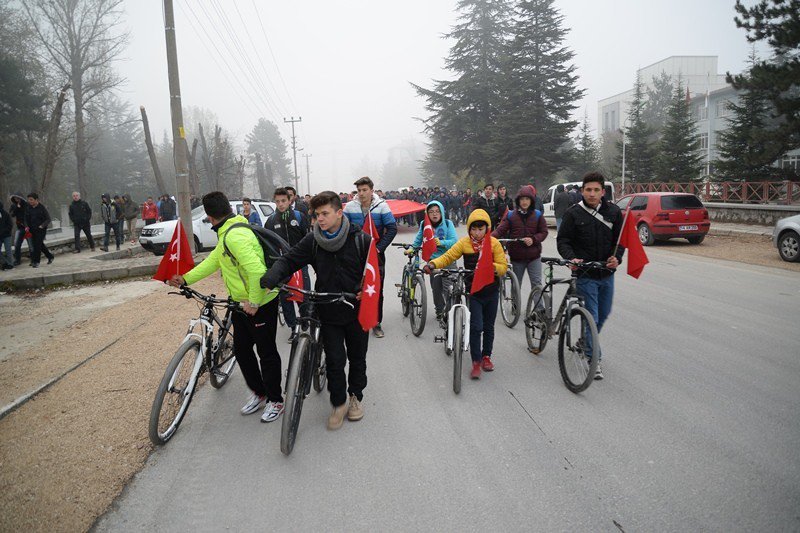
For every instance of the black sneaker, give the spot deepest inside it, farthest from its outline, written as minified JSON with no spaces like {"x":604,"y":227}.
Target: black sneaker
{"x":378,"y":331}
{"x":50,"y":261}
{"x":76,"y":251}
{"x":34,"y":265}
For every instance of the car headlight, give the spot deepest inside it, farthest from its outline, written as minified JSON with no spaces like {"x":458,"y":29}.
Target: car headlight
{"x":157,"y":231}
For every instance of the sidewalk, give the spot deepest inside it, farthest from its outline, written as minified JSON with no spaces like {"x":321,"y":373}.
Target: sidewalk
{"x":724,"y":228}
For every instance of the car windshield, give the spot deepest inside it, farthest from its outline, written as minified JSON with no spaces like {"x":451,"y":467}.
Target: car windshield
{"x":198,"y":212}
{"x":681,"y":201}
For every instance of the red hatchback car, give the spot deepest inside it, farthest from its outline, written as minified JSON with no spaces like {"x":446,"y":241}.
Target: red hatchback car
{"x":667,"y":215}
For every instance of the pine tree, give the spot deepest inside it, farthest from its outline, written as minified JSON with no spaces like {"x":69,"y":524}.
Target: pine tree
{"x":746,"y":148}
{"x":464,"y":108}
{"x":679,"y":158}
{"x":640,"y":152}
{"x":266,"y":139}
{"x":540,"y":91}
{"x":659,"y":98}
{"x":586,"y":153}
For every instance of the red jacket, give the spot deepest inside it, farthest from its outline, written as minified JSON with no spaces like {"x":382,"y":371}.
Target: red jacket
{"x":149,"y":211}
{"x":515,"y":226}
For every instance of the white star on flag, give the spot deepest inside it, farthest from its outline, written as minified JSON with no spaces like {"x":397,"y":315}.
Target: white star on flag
{"x":173,"y":257}
{"x":370,"y":290}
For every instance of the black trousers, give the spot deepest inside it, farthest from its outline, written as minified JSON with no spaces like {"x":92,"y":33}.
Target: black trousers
{"x":345,"y":343}
{"x":39,"y":247}
{"x":18,"y":245}
{"x":382,"y":268}
{"x":259,"y":330}
{"x":109,"y":227}
{"x":86,"y":228}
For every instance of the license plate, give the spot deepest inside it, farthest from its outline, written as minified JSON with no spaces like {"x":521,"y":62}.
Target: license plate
{"x":687,"y":228}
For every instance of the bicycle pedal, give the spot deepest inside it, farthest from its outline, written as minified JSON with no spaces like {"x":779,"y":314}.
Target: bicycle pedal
{"x":439,"y":339}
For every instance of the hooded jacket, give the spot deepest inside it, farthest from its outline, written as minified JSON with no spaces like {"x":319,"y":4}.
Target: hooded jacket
{"x":18,"y":210}
{"x":518,"y":224}
{"x":381,"y":215}
{"x":463,"y":247}
{"x":110,"y":211}
{"x":444,"y":231}
{"x":129,"y":209}
{"x":242,"y":269}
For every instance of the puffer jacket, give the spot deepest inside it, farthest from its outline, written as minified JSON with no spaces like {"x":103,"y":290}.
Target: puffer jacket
{"x":517,"y":224}
{"x":242,"y":269}
{"x":444,"y":231}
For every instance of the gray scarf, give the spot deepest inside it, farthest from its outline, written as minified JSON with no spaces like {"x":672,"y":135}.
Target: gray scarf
{"x":336,"y":243}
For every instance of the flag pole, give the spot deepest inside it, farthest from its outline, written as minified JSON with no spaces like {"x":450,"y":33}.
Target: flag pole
{"x":619,"y":238}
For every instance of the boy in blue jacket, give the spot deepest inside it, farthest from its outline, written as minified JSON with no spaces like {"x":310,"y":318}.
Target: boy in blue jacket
{"x":445,"y":234}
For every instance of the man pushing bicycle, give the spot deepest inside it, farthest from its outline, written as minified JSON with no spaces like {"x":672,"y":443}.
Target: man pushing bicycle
{"x":242,"y":266}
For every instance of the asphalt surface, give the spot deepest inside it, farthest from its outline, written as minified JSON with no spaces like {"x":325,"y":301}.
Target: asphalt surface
{"x":694,"y":428}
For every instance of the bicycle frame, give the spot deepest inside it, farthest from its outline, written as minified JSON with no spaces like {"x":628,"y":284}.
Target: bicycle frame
{"x":458,"y":294}
{"x":206,"y":322}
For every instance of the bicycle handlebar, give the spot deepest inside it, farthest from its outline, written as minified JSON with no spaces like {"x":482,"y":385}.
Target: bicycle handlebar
{"x":404,"y":245}
{"x":450,"y":271}
{"x":323,"y":297}
{"x":190,"y":293}
{"x":565,"y":262}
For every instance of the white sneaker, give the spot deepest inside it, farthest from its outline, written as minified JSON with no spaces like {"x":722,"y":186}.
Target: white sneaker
{"x":598,"y":375}
{"x":253,"y":404}
{"x":272,"y":411}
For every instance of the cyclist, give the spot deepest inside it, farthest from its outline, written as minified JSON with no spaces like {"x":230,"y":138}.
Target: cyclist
{"x":528,"y":224}
{"x":482,"y":304}
{"x":338,"y":260}
{"x":589,"y":231}
{"x":368,"y":202}
{"x":241,"y":272}
{"x":291,"y":225}
{"x":445,"y":236}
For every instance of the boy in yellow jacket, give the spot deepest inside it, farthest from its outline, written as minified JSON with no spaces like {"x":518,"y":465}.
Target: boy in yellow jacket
{"x":482,"y":304}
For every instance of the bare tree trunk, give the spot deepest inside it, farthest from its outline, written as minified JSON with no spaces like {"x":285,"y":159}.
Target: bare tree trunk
{"x":207,"y":160}
{"x":162,"y":189}
{"x":265,"y":187}
{"x":51,"y":151}
{"x":269,"y":179}
{"x":194,"y":178}
{"x":219,"y":158}
{"x":80,"y":132}
{"x":240,"y":177}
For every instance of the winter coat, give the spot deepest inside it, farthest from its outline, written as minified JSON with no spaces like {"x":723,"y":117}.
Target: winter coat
{"x":110,"y":212}
{"x":561,"y":203}
{"x":5,"y":223}
{"x":168,"y":209}
{"x":37,"y":218}
{"x":517,"y":225}
{"x":491,"y":206}
{"x":242,"y":269}
{"x":444,"y":231}
{"x":463,"y":247}
{"x":79,"y":212}
{"x":339,"y":271}
{"x":129,"y":209}
{"x":18,"y":210}
{"x":582,"y":236}
{"x":381,"y":215}
{"x":149,"y":211}
{"x":291,"y":225}
{"x":503,"y":204}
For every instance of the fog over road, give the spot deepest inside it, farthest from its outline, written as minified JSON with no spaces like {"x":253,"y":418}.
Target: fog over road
{"x":694,"y":428}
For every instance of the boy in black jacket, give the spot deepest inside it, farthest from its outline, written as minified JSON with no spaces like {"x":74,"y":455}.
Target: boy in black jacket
{"x":338,"y":260}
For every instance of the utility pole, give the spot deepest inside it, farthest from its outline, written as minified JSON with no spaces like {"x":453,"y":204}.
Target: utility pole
{"x":294,"y":150}
{"x":179,"y":147}
{"x":308,"y":173}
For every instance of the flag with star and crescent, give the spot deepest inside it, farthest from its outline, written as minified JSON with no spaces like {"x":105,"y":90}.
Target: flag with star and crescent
{"x":178,"y":257}
{"x":370,"y":290}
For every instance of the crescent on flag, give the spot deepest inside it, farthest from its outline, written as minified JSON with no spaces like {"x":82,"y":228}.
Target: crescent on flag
{"x":371,"y":269}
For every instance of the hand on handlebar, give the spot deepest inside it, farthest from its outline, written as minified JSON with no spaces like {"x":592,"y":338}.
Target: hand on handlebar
{"x":427,"y":269}
{"x":528,"y":241}
{"x":575,"y":262}
{"x":612,"y":262}
{"x":409,"y":252}
{"x":176,"y":281}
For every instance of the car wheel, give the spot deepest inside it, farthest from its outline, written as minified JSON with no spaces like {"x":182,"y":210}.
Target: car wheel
{"x":197,"y":246}
{"x":697,"y":239}
{"x":645,"y":235}
{"x":789,"y":246}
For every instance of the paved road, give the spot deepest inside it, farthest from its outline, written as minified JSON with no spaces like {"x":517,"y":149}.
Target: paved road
{"x":695,"y":427}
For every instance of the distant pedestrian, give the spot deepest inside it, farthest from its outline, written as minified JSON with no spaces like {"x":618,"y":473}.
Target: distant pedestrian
{"x":111,"y":214}
{"x":130,"y":212}
{"x":6,"y":229}
{"x":149,"y":211}
{"x":574,"y":195}
{"x":168,"y":209}
{"x":80,"y":214}
{"x":36,"y":221}
{"x":561,"y":203}
{"x":17,"y":211}
{"x":249,"y":213}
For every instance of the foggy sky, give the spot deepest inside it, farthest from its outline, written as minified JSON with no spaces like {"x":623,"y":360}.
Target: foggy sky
{"x":346,"y":65}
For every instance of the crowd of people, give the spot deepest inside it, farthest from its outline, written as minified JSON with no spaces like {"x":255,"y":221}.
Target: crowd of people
{"x":327,"y":232}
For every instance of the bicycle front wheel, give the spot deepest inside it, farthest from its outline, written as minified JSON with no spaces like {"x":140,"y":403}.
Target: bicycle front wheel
{"x":281,"y":318}
{"x":405,"y":289}
{"x":577,"y":333}
{"x":536,"y":321}
{"x":295,"y":392}
{"x":458,"y":347}
{"x":320,"y":370}
{"x":509,"y":299}
{"x":223,"y":362}
{"x":419,"y":305}
{"x":175,"y":392}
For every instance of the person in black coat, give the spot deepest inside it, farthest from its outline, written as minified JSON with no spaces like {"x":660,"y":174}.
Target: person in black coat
{"x":81,"y":216}
{"x":17,"y":211}
{"x":561,"y":203}
{"x":36,"y":221}
{"x":6,"y":229}
{"x":338,"y":252}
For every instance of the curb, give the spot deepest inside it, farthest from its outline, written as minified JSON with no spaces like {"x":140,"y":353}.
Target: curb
{"x":39,"y":282}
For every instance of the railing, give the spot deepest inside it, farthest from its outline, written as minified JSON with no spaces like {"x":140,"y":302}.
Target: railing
{"x":737,"y":192}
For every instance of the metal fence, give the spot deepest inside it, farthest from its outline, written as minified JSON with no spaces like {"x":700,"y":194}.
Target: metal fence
{"x":736,"y":192}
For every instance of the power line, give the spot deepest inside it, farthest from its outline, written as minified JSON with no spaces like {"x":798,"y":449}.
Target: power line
{"x":269,"y":47}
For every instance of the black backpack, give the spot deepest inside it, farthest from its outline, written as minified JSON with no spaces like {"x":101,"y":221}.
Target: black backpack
{"x":272,"y":244}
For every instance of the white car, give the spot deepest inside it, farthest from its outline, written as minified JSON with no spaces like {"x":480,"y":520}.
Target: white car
{"x":155,"y":237}
{"x":548,"y":199}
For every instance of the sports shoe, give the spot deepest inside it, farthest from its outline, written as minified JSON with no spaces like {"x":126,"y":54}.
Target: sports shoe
{"x":76,"y":251}
{"x":378,"y":331}
{"x":598,"y":375}
{"x":253,"y":404}
{"x":336,"y":419}
{"x":476,"y":370}
{"x":272,"y":411}
{"x":487,"y":364}
{"x":354,"y":410}
{"x":50,"y":260}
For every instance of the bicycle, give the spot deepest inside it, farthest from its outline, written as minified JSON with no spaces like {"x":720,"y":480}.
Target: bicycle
{"x":577,"y":369}
{"x":209,"y":350}
{"x":510,"y":297}
{"x":456,"y":338}
{"x":306,"y":362}
{"x":411,"y":291}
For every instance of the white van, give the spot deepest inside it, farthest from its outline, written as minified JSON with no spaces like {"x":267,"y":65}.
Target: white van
{"x":548,"y":197}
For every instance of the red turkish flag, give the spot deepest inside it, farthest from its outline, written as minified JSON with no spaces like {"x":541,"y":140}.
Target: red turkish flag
{"x":428,"y":239}
{"x":369,"y":227}
{"x":178,"y":257}
{"x":629,"y":238}
{"x":296,"y":281}
{"x":370,"y":290}
{"x":484,"y":271}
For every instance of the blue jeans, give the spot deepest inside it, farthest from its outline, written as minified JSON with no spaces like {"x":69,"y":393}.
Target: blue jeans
{"x":483,"y":312}
{"x":8,"y":257}
{"x":288,"y":307}
{"x":18,"y":245}
{"x":598,"y":294}
{"x":558,"y":224}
